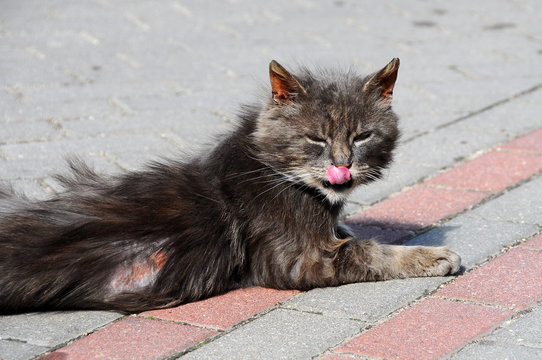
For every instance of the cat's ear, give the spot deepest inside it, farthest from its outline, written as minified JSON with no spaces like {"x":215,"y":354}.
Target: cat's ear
{"x":384,"y":81}
{"x":285,"y":86}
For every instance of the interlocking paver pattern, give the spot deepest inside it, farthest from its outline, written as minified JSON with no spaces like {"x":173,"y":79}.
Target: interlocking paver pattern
{"x":119,"y":83}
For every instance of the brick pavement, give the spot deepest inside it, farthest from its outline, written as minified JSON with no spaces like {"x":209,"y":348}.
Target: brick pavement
{"x":119,"y":83}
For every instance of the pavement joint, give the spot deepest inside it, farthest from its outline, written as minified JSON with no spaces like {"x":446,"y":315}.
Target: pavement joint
{"x":477,"y":112}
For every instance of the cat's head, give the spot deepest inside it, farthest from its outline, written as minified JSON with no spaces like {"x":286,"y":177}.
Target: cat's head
{"x":329,"y":131}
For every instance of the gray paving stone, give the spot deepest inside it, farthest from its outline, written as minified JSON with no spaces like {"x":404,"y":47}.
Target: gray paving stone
{"x":489,"y":350}
{"x":508,"y":120}
{"x":69,"y":93}
{"x":519,"y":338}
{"x":85,"y":147}
{"x":280,"y":334}
{"x":59,"y":110}
{"x":18,"y":350}
{"x":423,"y":109}
{"x":138,"y":160}
{"x":28,"y":131}
{"x":30,"y":188}
{"x":53,"y":328}
{"x":475,"y":239}
{"x":368,"y":302}
{"x":395,"y":178}
{"x":35,"y":168}
{"x":351,"y":208}
{"x":520,"y":205}
{"x":524,"y":330}
{"x":193,"y":125}
{"x":444,"y":147}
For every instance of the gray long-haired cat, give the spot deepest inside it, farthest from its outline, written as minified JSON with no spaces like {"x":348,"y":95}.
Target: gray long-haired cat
{"x":261,"y":208}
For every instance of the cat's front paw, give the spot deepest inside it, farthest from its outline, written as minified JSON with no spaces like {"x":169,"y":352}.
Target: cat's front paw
{"x":441,"y":261}
{"x":414,"y":261}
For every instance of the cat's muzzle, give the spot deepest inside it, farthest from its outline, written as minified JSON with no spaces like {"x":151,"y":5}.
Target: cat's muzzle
{"x":338,"y":187}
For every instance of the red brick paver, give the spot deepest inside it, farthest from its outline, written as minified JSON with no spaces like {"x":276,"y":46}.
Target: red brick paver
{"x":339,"y":357}
{"x":493,"y":171}
{"x":533,"y":243}
{"x":133,"y":338}
{"x":428,"y":330}
{"x":224,"y":310}
{"x":531,"y":142}
{"x":418,"y":207}
{"x":512,"y":279}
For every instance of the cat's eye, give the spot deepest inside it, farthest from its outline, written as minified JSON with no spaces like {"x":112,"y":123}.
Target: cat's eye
{"x":363,"y":137}
{"x":311,"y":139}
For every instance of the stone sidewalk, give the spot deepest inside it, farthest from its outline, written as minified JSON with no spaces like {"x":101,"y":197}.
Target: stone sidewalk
{"x":123,"y":82}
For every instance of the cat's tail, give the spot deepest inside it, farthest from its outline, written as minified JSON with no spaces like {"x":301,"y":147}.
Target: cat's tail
{"x":59,"y":253}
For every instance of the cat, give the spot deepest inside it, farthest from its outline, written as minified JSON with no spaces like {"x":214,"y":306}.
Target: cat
{"x":261,"y":208}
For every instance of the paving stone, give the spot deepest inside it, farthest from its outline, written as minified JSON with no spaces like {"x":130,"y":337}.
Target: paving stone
{"x":28,"y":131}
{"x":510,"y":120}
{"x":445,"y":147}
{"x":280,"y":334}
{"x":531,"y":142}
{"x":53,"y":328}
{"x":34,"y":168}
{"x":203,"y":125}
{"x":474,"y":239}
{"x":428,"y":330}
{"x":511,"y":280}
{"x":491,"y":350}
{"x":225,"y":310}
{"x":350,"y":208}
{"x":368,"y":302}
{"x":341,"y":357}
{"x":524,"y":330}
{"x":133,"y":338}
{"x":396,"y":178}
{"x":533,"y":243}
{"x":69,"y":93}
{"x":29,"y":188}
{"x":83,"y":107}
{"x":417,"y":207}
{"x":492,"y":172}
{"x":94,"y":146}
{"x":521,"y":205}
{"x":17,"y":350}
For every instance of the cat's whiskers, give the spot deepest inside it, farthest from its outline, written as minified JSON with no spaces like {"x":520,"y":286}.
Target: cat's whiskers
{"x":372,"y":174}
{"x":286,"y":178}
{"x":303,"y":186}
{"x":262,"y":177}
{"x":206,"y":197}
{"x":232,"y":176}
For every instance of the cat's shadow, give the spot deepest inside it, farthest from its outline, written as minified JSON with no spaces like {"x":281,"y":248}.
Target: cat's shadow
{"x":404,"y":234}
{"x":401,"y":234}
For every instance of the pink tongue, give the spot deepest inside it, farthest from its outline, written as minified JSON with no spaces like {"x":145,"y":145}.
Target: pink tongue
{"x":338,"y":175}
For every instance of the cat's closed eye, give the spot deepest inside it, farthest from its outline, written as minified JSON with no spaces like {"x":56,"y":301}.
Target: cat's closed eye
{"x":316,"y":140}
{"x":363,"y":137}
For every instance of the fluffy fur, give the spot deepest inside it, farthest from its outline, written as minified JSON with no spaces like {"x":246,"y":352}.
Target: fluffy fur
{"x":257,"y":210}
